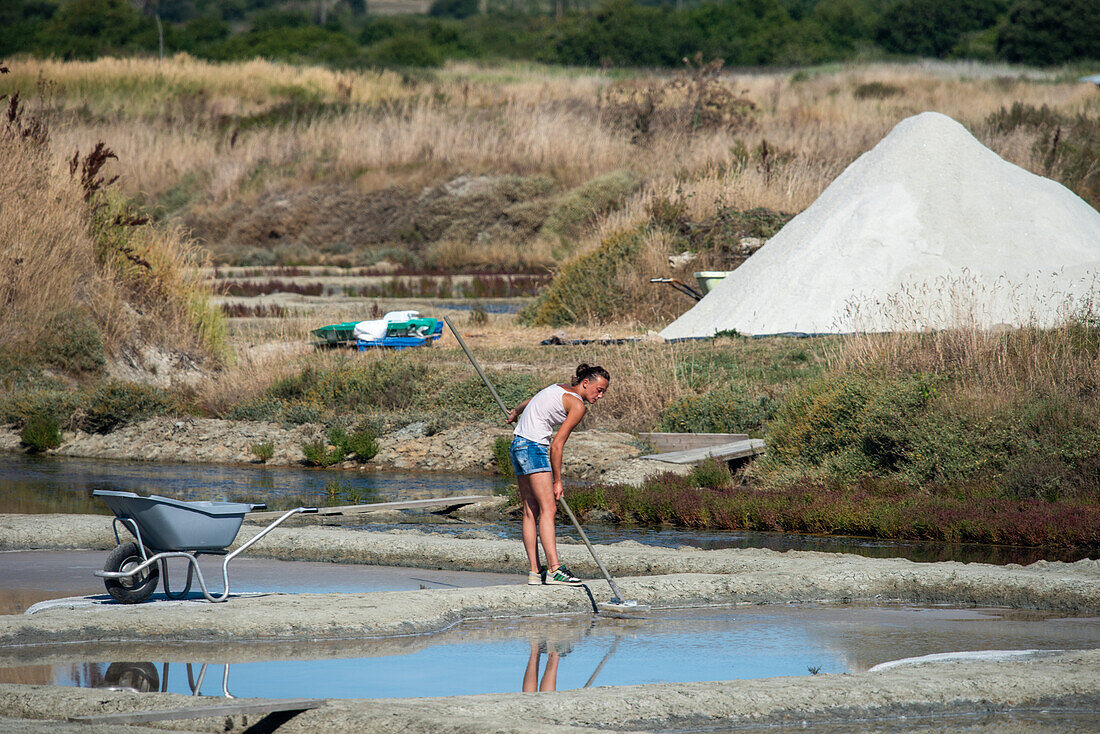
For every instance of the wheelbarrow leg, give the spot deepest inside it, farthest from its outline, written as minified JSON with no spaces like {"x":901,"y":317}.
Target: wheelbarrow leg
{"x":225,"y":564}
{"x":164,"y":575}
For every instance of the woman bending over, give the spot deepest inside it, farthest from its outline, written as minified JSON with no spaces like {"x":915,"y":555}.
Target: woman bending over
{"x":537,"y":462}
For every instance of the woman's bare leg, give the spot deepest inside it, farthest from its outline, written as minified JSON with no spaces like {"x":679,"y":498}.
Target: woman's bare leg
{"x":542,"y":489}
{"x":550,"y":674}
{"x":531,"y":510}
{"x":531,"y":674}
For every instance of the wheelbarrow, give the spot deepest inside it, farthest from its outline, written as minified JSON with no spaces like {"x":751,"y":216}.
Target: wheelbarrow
{"x":166,"y":528}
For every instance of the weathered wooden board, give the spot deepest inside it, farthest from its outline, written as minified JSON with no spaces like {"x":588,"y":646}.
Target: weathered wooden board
{"x":665,"y":442}
{"x":722,"y":452}
{"x":377,"y":506}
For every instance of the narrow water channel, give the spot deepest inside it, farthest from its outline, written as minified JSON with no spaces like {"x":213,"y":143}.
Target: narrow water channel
{"x":496,"y":656}
{"x":54,"y":484}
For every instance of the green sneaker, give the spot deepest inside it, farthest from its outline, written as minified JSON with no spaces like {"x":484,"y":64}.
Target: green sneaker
{"x":534,"y":578}
{"x":560,"y":576}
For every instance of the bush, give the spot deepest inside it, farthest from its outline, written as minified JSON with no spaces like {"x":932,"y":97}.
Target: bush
{"x":877,"y":90}
{"x":40,"y":433}
{"x":1069,"y":145}
{"x":263,"y":450}
{"x":363,"y":444}
{"x":934,"y":28}
{"x":453,"y":8}
{"x":850,"y":424}
{"x":502,"y":456}
{"x":73,"y":342}
{"x":315,"y":453}
{"x":471,"y":400}
{"x":589,"y":200}
{"x":585,"y":290}
{"x":318,"y":453}
{"x":406,"y":50}
{"x":18,"y":406}
{"x":873,"y":507}
{"x":712,"y":473}
{"x":736,"y":407}
{"x":348,"y":385}
{"x":113,"y":404}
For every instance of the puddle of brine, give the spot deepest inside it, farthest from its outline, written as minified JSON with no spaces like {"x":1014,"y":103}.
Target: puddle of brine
{"x":496,"y":656}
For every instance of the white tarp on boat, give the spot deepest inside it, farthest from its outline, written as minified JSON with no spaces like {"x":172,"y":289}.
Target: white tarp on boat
{"x":376,"y":329}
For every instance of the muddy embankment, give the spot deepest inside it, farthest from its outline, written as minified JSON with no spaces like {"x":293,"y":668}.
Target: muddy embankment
{"x":661,"y":577}
{"x":469,"y":448}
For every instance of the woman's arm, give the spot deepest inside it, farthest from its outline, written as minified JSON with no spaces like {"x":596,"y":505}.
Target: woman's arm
{"x":575,"y":409}
{"x":516,"y":412}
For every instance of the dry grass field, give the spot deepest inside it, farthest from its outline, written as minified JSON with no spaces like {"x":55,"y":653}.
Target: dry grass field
{"x":354,"y":193}
{"x":268,"y":163}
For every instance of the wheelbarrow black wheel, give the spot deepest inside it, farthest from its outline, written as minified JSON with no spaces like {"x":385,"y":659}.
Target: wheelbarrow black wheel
{"x":134,"y":589}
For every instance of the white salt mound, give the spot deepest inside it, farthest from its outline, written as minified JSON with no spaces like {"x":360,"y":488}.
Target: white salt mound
{"x":929,"y":229}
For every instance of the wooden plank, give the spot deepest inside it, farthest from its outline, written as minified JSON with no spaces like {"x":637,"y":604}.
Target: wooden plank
{"x":200,"y":712}
{"x":378,"y":506}
{"x":665,"y":442}
{"x":725,"y":452}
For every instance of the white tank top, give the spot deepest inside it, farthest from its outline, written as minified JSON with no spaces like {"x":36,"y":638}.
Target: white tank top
{"x":545,"y":411}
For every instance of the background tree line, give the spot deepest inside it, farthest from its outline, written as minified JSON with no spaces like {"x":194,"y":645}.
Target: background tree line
{"x":572,"y":32}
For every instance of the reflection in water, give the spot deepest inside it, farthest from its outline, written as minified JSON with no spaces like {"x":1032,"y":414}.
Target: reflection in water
{"x":35,"y":484}
{"x":30,"y":484}
{"x":488,"y":656}
{"x":549,"y":682}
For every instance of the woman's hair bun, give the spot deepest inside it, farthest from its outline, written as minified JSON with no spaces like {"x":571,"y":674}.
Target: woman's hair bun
{"x":588,"y":372}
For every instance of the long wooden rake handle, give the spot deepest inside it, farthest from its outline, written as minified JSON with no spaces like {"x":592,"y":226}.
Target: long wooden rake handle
{"x":564,"y":504}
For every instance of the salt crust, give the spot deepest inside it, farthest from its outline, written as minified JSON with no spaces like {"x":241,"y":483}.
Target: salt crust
{"x":929,"y":229}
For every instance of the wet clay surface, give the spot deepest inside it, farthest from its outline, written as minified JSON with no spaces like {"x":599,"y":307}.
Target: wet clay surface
{"x":27,"y":577}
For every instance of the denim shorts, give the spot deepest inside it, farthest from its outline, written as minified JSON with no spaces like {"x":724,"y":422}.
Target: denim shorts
{"x":529,"y":457}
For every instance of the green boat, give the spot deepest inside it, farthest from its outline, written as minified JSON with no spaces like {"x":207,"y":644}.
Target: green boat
{"x":395,"y":330}
{"x":336,"y":334}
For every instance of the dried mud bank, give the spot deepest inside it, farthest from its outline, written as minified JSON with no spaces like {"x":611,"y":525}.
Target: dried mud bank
{"x":663,"y":577}
{"x":1059,"y":679}
{"x":659,"y":576}
{"x":467,"y":448}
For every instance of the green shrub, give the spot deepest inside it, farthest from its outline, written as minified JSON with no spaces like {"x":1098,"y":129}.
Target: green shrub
{"x":712,"y":473}
{"x":585,"y":290}
{"x":471,"y":400}
{"x":40,"y":433}
{"x":263,"y":450}
{"x":850,"y":424}
{"x":113,"y":404}
{"x":363,"y":444}
{"x":73,"y":341}
{"x":877,"y":90}
{"x":317,"y":453}
{"x":502,"y":456}
{"x":17,"y":406}
{"x":389,"y":382}
{"x":320,"y":393}
{"x":589,"y":200}
{"x":723,"y":232}
{"x":406,"y":50}
{"x":736,"y":407}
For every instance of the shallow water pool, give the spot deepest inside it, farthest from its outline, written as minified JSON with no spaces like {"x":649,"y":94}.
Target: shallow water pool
{"x":559,"y":653}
